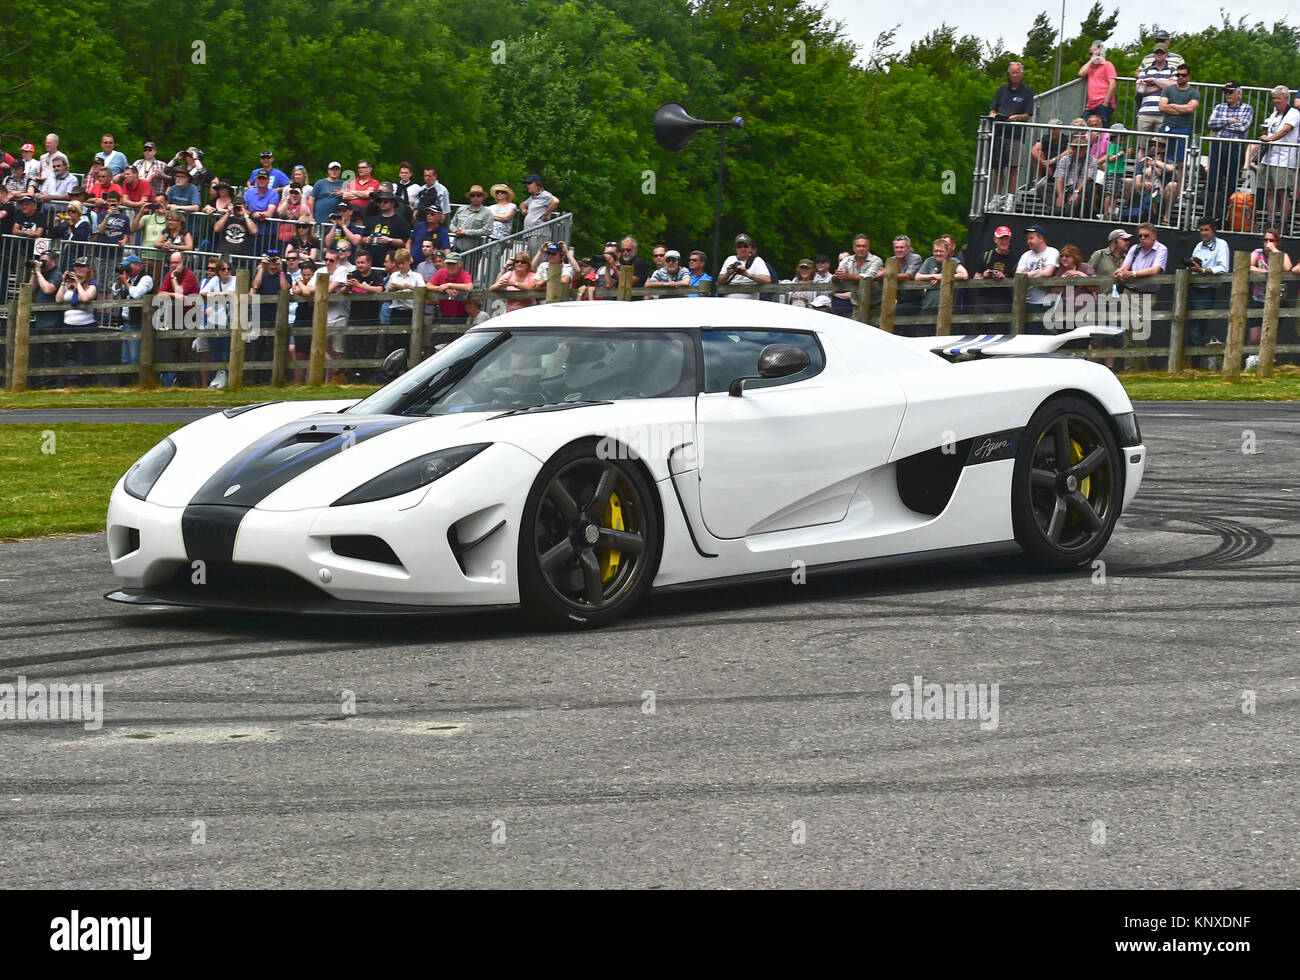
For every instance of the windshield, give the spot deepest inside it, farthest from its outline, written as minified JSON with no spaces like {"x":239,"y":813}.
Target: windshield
{"x":527,"y":369}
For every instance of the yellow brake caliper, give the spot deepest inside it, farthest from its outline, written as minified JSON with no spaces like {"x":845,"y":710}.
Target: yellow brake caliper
{"x":1076,"y":456}
{"x":613,"y":519}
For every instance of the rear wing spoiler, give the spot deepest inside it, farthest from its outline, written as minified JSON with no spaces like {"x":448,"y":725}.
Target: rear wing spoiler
{"x":1006,"y":345}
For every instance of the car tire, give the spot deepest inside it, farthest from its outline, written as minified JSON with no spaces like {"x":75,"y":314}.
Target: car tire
{"x":1064,"y":510}
{"x":590,"y":539}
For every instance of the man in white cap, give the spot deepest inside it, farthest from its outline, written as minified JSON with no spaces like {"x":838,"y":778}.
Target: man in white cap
{"x":325,"y":196}
{"x":672,"y":273}
{"x":1107,"y":261}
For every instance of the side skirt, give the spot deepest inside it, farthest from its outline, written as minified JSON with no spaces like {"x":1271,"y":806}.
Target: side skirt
{"x":989,"y":550}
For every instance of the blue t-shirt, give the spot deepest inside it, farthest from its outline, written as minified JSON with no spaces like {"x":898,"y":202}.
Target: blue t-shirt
{"x":114,"y":228}
{"x":1013,"y":102}
{"x":186,"y":195}
{"x":115,"y":161}
{"x":325,"y":198}
{"x":260,"y":202}
{"x":278,"y":178}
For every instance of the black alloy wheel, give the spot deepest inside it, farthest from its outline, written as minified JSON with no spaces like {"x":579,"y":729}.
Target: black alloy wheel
{"x":590,"y":542}
{"x":1067,"y":486}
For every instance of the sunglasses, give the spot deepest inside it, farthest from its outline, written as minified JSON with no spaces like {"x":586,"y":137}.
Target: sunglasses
{"x":212,"y":268}
{"x":658,"y":255}
{"x":481,"y":195}
{"x":522,"y":262}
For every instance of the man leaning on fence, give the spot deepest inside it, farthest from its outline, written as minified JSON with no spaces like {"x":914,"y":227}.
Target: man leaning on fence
{"x":1039,"y":261}
{"x":862,"y":264}
{"x":1209,"y":258}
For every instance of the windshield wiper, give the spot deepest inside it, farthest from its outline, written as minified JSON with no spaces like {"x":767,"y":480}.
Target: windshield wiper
{"x":553,"y":407}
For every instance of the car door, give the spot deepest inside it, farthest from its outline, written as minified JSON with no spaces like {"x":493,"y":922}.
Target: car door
{"x":789,"y":452}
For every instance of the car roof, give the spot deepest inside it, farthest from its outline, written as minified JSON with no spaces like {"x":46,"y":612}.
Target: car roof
{"x":673,"y":313}
{"x":866,"y":348}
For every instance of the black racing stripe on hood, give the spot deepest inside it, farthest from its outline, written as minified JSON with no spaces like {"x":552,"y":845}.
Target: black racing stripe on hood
{"x":286,"y":453}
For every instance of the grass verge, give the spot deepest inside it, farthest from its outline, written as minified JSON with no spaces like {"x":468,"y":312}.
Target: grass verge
{"x":1284,"y":386}
{"x":1144,"y":386}
{"x":164,"y":397}
{"x":56,"y":479}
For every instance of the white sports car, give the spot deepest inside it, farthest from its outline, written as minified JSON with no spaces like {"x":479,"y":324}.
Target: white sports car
{"x":568,"y":458}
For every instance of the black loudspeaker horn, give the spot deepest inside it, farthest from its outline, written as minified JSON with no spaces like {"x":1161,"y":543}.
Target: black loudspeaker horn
{"x":674,"y":126}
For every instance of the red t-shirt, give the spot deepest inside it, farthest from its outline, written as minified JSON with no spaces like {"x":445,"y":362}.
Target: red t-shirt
{"x":189,"y":283}
{"x":452,"y":307}
{"x":365,"y":184}
{"x":141,"y":192}
{"x":99,"y":190}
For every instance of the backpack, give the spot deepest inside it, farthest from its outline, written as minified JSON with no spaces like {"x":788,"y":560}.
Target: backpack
{"x":1241,"y":211}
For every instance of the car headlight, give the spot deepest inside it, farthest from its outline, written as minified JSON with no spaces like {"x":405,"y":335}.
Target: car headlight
{"x":411,"y":475}
{"x":141,"y":477}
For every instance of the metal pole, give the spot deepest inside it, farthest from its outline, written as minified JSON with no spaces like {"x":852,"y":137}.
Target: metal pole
{"x":717,"y":206}
{"x":1060,"y":47}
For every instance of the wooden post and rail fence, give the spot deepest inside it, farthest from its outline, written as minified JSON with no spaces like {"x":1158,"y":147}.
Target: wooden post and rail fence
{"x":892,"y":303}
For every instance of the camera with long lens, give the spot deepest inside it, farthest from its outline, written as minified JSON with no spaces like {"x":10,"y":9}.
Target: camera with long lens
{"x":123,"y":269}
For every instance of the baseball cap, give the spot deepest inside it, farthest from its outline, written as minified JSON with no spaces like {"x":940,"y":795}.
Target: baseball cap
{"x":433,"y":209}
{"x":1036,"y":228}
{"x":266,"y":153}
{"x":1231,"y":86}
{"x":81,"y":260}
{"x":150,"y":145}
{"x":1001,"y":231}
{"x":128,"y":259}
{"x":1162,"y":46}
{"x":821,"y":257}
{"x":804,"y":264}
{"x":25,"y":198}
{"x":28,"y":147}
{"x":533,"y":179}
{"x":333,"y":164}
{"x":1118,"y":233}
{"x":743,"y":239}
{"x":262,"y":175}
{"x":552,"y":249}
{"x":451,"y":257}
{"x":1161,"y":35}
{"x":672,"y":253}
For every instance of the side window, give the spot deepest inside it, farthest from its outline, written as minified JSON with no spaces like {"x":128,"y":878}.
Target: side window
{"x":732,"y":354}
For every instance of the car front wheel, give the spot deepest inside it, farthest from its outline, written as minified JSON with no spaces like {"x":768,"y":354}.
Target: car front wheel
{"x":590,"y":542}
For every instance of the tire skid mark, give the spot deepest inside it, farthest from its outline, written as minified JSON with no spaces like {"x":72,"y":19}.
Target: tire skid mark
{"x":499,"y":797}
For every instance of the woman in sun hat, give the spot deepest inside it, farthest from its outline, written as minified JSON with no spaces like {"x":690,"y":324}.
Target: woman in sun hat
{"x":503,"y":210}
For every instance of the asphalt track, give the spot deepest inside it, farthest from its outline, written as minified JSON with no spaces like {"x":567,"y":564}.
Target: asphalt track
{"x":1122,"y":756}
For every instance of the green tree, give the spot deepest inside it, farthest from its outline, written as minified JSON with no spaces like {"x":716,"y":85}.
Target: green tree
{"x":1097,"y":25}
{"x":1040,"y":45}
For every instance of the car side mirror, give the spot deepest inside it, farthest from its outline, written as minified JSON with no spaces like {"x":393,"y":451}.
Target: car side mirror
{"x":774,"y":361}
{"x":394,"y":364}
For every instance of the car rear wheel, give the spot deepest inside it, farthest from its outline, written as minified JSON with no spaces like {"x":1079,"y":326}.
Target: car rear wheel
{"x":590,"y":542}
{"x":1067,"y":486}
